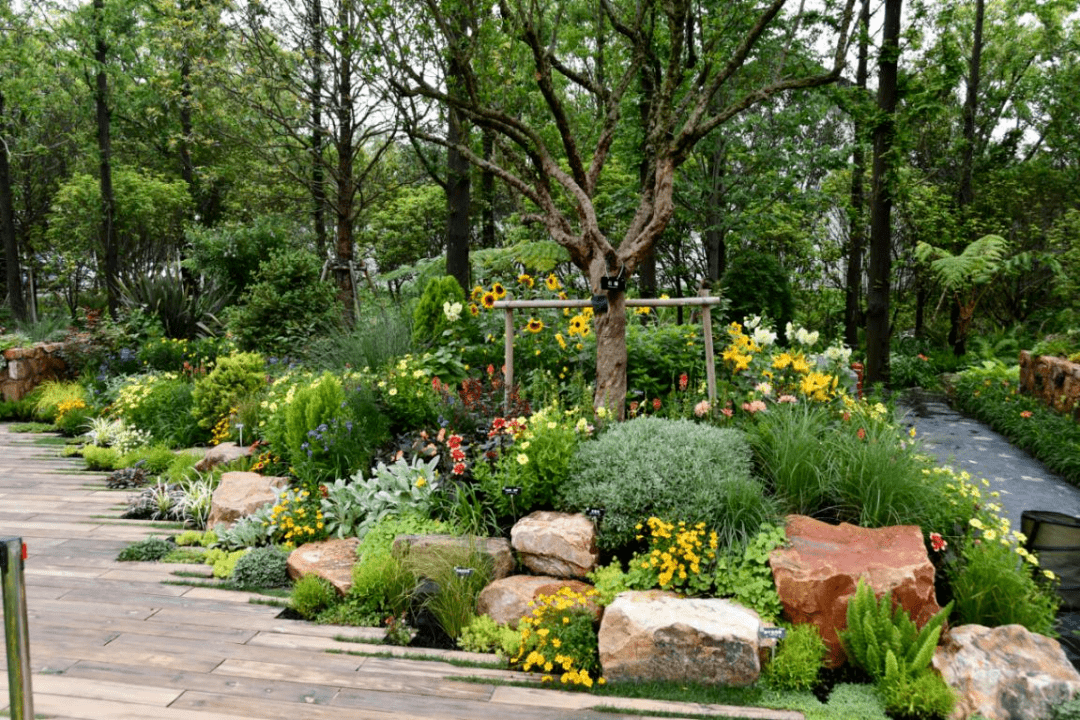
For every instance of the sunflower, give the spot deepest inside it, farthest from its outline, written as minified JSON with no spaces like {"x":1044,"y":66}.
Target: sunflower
{"x":488,"y":300}
{"x":474,"y":309}
{"x":526,"y":280}
{"x":535,"y":325}
{"x":477,"y":293}
{"x":498,"y":291}
{"x":552,"y":282}
{"x":577,"y":324}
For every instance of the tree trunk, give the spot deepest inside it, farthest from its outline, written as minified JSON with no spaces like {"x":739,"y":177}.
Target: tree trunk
{"x":108,"y":202}
{"x":318,"y":172}
{"x":487,"y":194}
{"x":12,"y":268}
{"x":857,"y":228}
{"x":877,"y":301}
{"x":966,"y":193}
{"x":611,"y":355}
{"x":457,"y":202}
{"x":346,"y":185}
{"x":715,"y":247}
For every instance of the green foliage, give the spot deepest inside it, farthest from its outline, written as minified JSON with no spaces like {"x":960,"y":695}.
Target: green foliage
{"x":161,"y":405}
{"x":911,"y":371}
{"x":798,"y":661}
{"x":1068,"y":710}
{"x":743,"y":573}
{"x":72,"y":417}
{"x":223,"y":562}
{"x":429,"y":316}
{"x":155,"y":459}
{"x":231,"y":252}
{"x":610,"y":580}
{"x":101,"y":458}
{"x":484,"y":635}
{"x":233,"y":377}
{"x":876,"y":632}
{"x":381,"y":333}
{"x":454,"y":603}
{"x":352,"y":508}
{"x":656,"y":355}
{"x":150,"y":549}
{"x":853,"y":702}
{"x":201,"y":538}
{"x":263,"y":567}
{"x":382,"y":587}
{"x":50,"y":395}
{"x":252,"y":531}
{"x":311,"y":406}
{"x":560,"y":638}
{"x":286,"y":306}
{"x":755,"y":284}
{"x":175,"y":355}
{"x":667,"y":468}
{"x":979,"y":262}
{"x":537,"y":461}
{"x":993,"y":586}
{"x":312,"y":595}
{"x":406,"y":391}
{"x":922,"y":695}
{"x":183,"y":312}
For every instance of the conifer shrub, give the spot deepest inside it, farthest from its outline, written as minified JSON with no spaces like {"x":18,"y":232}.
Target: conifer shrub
{"x":233,"y":378}
{"x":429,"y":316}
{"x":755,"y":284}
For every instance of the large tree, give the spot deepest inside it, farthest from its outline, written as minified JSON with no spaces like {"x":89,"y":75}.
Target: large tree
{"x":556,"y":82}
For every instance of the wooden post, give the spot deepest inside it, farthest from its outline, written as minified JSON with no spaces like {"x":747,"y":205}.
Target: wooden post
{"x":710,"y":362}
{"x":508,"y":357}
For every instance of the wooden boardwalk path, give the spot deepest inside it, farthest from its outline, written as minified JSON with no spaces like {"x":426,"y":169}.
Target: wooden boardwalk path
{"x":111,"y":641}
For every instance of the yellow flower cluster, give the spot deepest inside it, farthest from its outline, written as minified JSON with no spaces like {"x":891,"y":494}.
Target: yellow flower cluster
{"x":741,"y":348}
{"x":223,"y":429}
{"x":67,"y":406}
{"x":295,"y":519}
{"x":135,"y":391}
{"x":679,"y":553}
{"x":553,"y":635}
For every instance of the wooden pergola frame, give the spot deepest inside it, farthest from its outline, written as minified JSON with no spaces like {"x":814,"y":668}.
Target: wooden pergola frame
{"x":705,"y":303}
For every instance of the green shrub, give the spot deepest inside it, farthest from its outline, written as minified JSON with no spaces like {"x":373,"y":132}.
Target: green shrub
{"x":232,"y":252}
{"x":382,"y":587}
{"x":311,"y":406}
{"x":156,"y":459}
{"x":223,"y":562}
{"x":312,"y":595}
{"x":755,"y":284}
{"x":537,"y":462}
{"x":610,"y":580}
{"x":101,"y":458}
{"x":350,"y":509}
{"x":667,"y":468}
{"x":285,"y":306}
{"x":233,"y":377}
{"x":743,"y":572}
{"x":201,"y":538}
{"x":52,"y":394}
{"x":429,"y":317}
{"x":263,"y":567}
{"x":656,"y":355}
{"x":993,"y":586}
{"x":922,"y":695}
{"x":407,"y":394}
{"x":72,"y":417}
{"x":789,"y":450}
{"x":159,"y":404}
{"x":454,"y":604}
{"x":484,"y":635}
{"x":1068,"y":710}
{"x":848,"y":701}
{"x":379,"y":335}
{"x":798,"y":661}
{"x":880,"y":639}
{"x":150,"y":549}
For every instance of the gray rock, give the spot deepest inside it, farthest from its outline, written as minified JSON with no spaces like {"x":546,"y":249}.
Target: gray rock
{"x":558,"y":544}
{"x":240,"y":494}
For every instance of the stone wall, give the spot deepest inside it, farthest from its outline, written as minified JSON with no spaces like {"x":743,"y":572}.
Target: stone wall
{"x":1054,"y":379}
{"x":26,"y":368}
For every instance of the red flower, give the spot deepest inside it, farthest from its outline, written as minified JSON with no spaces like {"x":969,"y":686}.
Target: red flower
{"x":861,"y":433}
{"x":435,"y":383}
{"x":454,"y":441}
{"x":656,"y":404}
{"x":490,"y":369}
{"x":683,"y":381}
{"x":1025,"y":413}
{"x":937,"y":542}
{"x":498,"y":423}
{"x":459,"y":469}
{"x":457,"y":454}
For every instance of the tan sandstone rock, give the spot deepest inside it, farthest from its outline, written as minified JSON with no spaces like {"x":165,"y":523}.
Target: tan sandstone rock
{"x":1005,"y":673}
{"x":241,"y":493}
{"x":655,"y":635}
{"x":496,"y":549}
{"x":559,"y":544}
{"x":221,"y":454}
{"x":507,"y":600}
{"x":332,"y":560}
{"x":817,"y":575}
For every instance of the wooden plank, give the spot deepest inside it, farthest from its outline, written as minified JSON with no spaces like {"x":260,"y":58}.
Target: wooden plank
{"x":419,"y":708}
{"x":88,"y":709}
{"x":190,"y":630}
{"x":270,"y":710}
{"x":104,"y":690}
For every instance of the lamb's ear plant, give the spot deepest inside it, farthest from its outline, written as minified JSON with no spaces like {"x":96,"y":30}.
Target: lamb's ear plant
{"x":877,"y":636}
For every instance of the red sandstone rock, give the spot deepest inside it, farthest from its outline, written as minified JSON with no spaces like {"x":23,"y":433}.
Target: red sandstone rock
{"x":332,"y":560}
{"x":816,"y":576}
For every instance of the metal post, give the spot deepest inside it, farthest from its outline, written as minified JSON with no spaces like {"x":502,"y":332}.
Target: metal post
{"x":16,"y":629}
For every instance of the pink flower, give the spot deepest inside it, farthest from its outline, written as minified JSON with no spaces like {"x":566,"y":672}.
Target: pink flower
{"x":937,"y":542}
{"x":727,"y":412}
{"x":702,"y":408}
{"x":787,"y":399}
{"x":1025,"y":413}
{"x":753,"y":407}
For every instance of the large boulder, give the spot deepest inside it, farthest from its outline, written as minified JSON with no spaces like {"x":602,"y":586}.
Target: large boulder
{"x":332,"y":560}
{"x":497,"y":550}
{"x":559,"y":544}
{"x":239,"y":494}
{"x":655,"y":635}
{"x":222,"y":453}
{"x":512,"y":598}
{"x":817,"y":574}
{"x":1005,"y":673}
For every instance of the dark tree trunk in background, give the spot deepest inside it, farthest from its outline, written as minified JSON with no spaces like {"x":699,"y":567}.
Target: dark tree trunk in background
{"x":487,"y":194}
{"x":458,"y":189}
{"x":857,"y":226}
{"x":318,"y":172}
{"x":346,"y":182}
{"x":877,"y":300}
{"x":104,"y":140}
{"x":966,"y":194}
{"x":12,"y":268}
